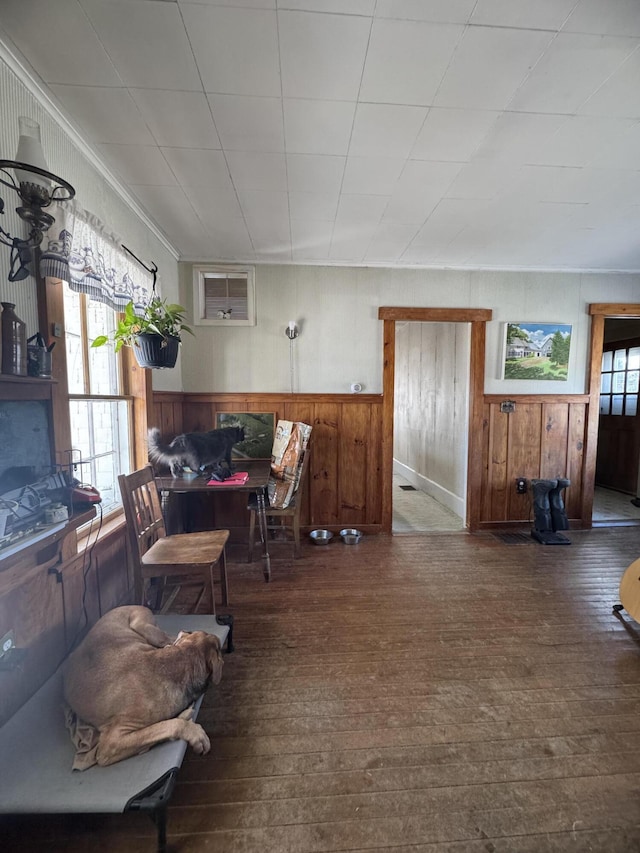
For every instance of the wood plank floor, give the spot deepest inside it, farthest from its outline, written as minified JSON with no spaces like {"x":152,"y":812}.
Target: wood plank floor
{"x":447,"y":693}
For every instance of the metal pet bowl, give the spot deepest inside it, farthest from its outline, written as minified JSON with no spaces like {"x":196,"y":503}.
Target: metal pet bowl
{"x":321,"y":537}
{"x":350,"y":536}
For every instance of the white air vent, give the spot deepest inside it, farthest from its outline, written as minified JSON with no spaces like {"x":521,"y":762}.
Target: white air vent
{"x":224,"y":296}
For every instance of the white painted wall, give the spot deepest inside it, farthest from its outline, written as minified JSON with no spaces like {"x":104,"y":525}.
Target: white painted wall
{"x":65,"y":157}
{"x":341,"y":337}
{"x":431,"y":421}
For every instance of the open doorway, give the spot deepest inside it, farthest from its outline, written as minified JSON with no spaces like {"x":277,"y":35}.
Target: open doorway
{"x":615,"y":499}
{"x":431,"y":419}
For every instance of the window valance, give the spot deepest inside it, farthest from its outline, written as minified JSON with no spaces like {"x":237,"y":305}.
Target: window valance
{"x":78,"y":249}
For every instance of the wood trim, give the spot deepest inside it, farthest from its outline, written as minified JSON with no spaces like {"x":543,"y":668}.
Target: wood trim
{"x":271,"y":400}
{"x":388,"y":380}
{"x":476,"y":434}
{"x":537,"y":398}
{"x":436,"y":315}
{"x":615,"y":309}
{"x":593,"y":417}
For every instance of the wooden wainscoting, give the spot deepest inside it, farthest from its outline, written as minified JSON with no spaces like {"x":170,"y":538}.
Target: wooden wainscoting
{"x":345,"y":474}
{"x":543,"y":438}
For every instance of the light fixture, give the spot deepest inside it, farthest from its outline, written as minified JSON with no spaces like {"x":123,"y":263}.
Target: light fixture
{"x":292,"y":333}
{"x":37,"y":188}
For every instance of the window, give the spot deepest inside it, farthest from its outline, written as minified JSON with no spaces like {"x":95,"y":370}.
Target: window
{"x":223,"y":296}
{"x":100,"y":413}
{"x":620,"y":382}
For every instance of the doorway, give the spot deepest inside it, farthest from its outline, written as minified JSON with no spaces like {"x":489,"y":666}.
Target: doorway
{"x":430,"y":426}
{"x":618,"y":447}
{"x":476,"y":318}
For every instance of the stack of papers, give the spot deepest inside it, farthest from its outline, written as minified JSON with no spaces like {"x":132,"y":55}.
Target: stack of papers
{"x":238,"y":479}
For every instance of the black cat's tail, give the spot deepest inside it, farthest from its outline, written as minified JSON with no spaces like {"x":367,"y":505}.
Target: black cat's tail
{"x":158,"y":452}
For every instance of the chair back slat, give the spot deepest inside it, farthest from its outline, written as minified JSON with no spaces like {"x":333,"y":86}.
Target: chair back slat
{"x":143,"y":514}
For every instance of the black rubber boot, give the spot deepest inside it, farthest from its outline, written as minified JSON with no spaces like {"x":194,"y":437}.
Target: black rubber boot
{"x":559,"y":518}
{"x":542,"y":521}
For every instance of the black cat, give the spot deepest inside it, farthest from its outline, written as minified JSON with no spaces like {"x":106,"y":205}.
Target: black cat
{"x":195,"y":449}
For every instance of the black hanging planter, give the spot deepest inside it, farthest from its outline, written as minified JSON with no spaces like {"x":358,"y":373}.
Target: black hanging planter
{"x":156,"y":351}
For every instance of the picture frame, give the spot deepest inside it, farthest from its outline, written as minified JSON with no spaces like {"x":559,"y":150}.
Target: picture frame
{"x":536,"y":351}
{"x":259,"y":428}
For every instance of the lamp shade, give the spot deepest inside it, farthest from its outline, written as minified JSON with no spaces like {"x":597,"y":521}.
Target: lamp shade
{"x":30,"y":152}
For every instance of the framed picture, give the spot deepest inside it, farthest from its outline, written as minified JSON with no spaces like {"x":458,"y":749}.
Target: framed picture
{"x":536,"y":351}
{"x":258,"y":432}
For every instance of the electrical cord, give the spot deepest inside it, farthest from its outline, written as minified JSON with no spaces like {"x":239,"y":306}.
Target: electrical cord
{"x":88,"y":552}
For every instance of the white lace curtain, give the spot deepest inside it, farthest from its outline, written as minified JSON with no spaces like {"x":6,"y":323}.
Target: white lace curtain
{"x":79,"y":250}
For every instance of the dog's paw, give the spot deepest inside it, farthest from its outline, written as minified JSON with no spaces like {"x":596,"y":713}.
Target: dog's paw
{"x":198,"y":740}
{"x":187,"y":714}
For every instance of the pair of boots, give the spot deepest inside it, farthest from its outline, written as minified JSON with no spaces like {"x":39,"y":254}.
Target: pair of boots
{"x":549,"y":512}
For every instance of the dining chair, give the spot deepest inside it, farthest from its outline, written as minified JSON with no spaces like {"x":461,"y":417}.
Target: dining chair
{"x":178,"y":560}
{"x":277,"y":518}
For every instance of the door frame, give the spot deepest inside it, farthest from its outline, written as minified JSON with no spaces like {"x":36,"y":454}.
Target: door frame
{"x":478,"y":318}
{"x":599,"y":311}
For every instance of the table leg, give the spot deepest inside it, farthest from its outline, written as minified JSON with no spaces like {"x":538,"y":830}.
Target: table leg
{"x":264,"y":534}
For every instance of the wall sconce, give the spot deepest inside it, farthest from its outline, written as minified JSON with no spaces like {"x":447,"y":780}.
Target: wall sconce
{"x":37,"y":188}
{"x":292,"y":331}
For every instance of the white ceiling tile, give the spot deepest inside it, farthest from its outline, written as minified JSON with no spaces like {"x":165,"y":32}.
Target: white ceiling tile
{"x":442,"y":11}
{"x":564,"y":183}
{"x":315,"y":173}
{"x":484,"y":179}
{"x":177,"y":119}
{"x":372,"y":175}
{"x":271,"y":237}
{"x":350,"y":247}
{"x":194,"y":167}
{"x":105,"y":115}
{"x":311,"y":238}
{"x":138,"y":164}
{"x":623,"y":151}
{"x":59,"y":24}
{"x":255,"y":170}
{"x":131,"y":33}
{"x":420,"y":188}
{"x":343,"y":7}
{"x":517,"y":137}
{"x":312,"y":206}
{"x":395,"y":232}
{"x":236,"y":49}
{"x":541,"y":15}
{"x":572,"y":68}
{"x":355,"y":209}
{"x":619,"y":96}
{"x":214,"y":205}
{"x":248,"y":124}
{"x":581,"y":140}
{"x":322,"y":56}
{"x":169,"y":207}
{"x":267,"y":206}
{"x":406,"y":61}
{"x":244,"y":4}
{"x":609,"y":17}
{"x":385,"y":130}
{"x":384,"y":251}
{"x":489,"y":66}
{"x":317,"y":127}
{"x":452,"y":134}
{"x":447,"y":219}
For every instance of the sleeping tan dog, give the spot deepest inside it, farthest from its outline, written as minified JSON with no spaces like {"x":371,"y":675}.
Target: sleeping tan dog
{"x":134,"y":684}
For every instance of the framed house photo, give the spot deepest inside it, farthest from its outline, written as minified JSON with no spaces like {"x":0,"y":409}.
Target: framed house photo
{"x":536,"y":351}
{"x":258,"y":432}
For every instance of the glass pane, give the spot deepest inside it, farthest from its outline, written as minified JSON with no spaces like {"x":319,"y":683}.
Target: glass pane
{"x":620,"y":359}
{"x":605,"y":404}
{"x":605,"y":383}
{"x":75,"y":375}
{"x":631,"y":405}
{"x":103,"y":367}
{"x":100,"y":431}
{"x":618,"y":383}
{"x":634,"y":358}
{"x":632,"y":381}
{"x":607,"y":360}
{"x":616,"y":404}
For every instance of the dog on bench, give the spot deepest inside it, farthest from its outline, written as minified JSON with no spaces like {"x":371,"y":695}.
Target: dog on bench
{"x":134,"y":684}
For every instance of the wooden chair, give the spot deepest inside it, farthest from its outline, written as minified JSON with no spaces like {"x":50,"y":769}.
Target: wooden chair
{"x":291,"y":513}
{"x":185,"y":557}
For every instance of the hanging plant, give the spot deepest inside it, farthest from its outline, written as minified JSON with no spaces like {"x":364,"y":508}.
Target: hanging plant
{"x":154,"y":335}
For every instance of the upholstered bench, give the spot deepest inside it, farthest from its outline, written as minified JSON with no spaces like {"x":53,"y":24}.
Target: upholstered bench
{"x":36,"y":753}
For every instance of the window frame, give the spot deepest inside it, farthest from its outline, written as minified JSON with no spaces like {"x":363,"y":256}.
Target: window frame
{"x":200,"y":272}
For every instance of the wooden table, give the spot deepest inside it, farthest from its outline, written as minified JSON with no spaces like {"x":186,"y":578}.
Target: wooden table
{"x":258,"y":470}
